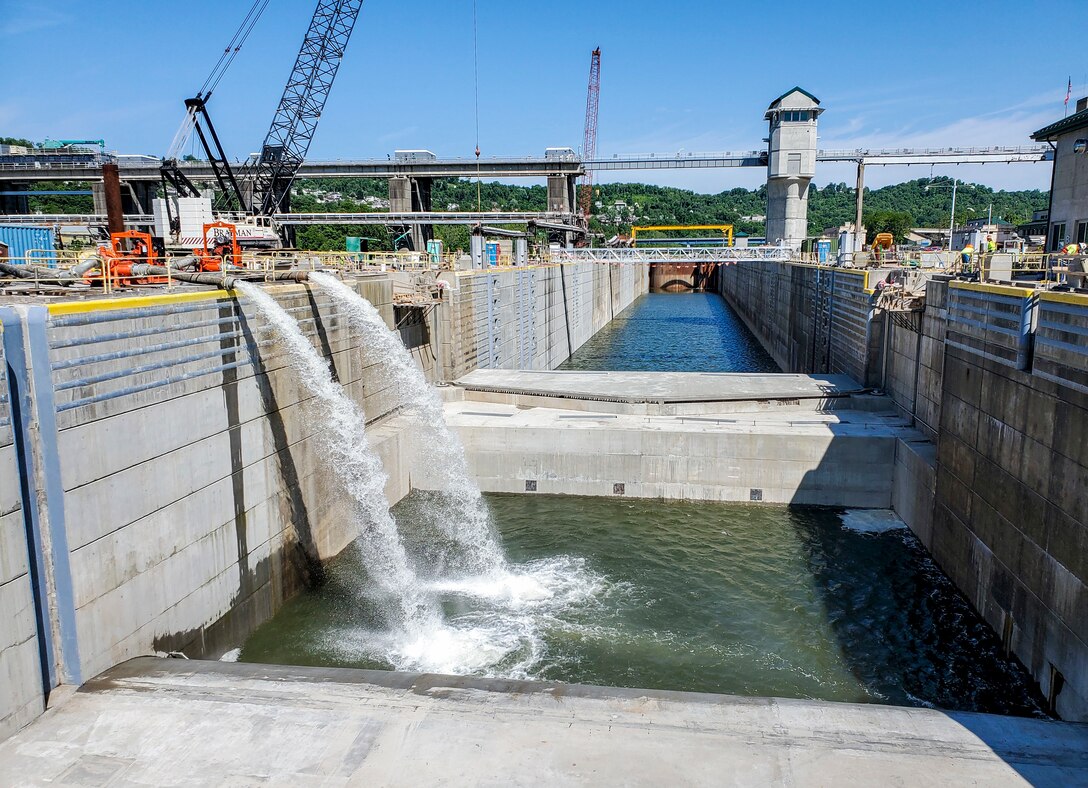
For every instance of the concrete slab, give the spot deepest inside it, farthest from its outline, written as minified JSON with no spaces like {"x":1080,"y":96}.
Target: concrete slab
{"x":660,"y":386}
{"x":787,"y":455}
{"x":173,"y":722}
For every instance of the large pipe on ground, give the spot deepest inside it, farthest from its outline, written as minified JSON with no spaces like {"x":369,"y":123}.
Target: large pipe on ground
{"x":224,"y":279}
{"x":111,"y":185}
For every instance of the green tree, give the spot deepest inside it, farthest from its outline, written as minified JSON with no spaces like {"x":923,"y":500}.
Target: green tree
{"x":898,"y":223}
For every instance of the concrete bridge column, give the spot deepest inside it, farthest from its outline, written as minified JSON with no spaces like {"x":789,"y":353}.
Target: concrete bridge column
{"x":15,"y":203}
{"x":412,"y":194}
{"x":791,"y":164}
{"x":562,"y":198}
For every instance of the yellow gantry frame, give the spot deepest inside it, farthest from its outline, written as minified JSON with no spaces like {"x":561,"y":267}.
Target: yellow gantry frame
{"x":726,"y":230}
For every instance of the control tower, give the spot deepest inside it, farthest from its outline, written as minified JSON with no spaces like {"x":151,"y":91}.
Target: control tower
{"x":791,"y":163}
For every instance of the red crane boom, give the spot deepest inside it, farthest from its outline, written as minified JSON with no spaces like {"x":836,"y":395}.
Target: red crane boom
{"x":589,"y":142}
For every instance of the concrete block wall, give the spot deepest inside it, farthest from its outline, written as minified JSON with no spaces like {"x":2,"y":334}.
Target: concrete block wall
{"x":22,"y":697}
{"x":528,"y":318}
{"x":1011,"y":516}
{"x":185,"y":478}
{"x":810,"y":319}
{"x":913,"y":372}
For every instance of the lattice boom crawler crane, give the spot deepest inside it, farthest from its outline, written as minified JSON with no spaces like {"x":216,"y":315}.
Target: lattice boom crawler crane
{"x":293,"y":125}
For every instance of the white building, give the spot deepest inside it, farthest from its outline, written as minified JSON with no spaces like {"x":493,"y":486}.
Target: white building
{"x":1069,"y":182}
{"x":791,"y":163}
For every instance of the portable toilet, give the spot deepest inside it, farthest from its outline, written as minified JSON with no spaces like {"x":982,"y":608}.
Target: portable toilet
{"x":434,"y":250}
{"x":823,"y":250}
{"x":492,"y":252}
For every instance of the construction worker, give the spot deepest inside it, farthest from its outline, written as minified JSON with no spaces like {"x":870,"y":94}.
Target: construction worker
{"x":1071,"y":249}
{"x":991,"y":245}
{"x":967,"y":256}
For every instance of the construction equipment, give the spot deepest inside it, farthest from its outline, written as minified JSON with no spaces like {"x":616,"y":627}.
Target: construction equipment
{"x":589,"y":141}
{"x":293,"y":126}
{"x":120,"y":265}
{"x":212,"y":260}
{"x":196,"y":111}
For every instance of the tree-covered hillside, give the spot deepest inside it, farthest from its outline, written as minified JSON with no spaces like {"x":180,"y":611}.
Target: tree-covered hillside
{"x":617,"y":206}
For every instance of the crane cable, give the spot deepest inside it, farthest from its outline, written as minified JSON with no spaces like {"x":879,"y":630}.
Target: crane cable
{"x":183,"y":136}
{"x":476,"y":85}
{"x":234,"y":46}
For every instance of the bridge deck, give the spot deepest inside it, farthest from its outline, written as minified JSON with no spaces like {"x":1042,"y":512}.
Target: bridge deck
{"x":173,"y":722}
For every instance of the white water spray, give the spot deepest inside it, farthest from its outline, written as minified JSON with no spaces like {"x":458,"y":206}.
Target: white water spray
{"x":498,"y":632}
{"x":348,"y":453}
{"x":461,"y":513}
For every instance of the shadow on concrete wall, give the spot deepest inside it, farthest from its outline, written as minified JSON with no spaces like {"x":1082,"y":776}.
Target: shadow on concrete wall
{"x":299,"y":561}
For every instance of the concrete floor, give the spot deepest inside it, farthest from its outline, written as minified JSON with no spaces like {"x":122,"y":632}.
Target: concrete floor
{"x":660,"y":386}
{"x":175,"y":722}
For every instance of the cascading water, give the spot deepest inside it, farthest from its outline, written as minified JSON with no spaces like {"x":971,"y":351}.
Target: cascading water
{"x":461,"y":513}
{"x":357,"y":467}
{"x":495,"y":612}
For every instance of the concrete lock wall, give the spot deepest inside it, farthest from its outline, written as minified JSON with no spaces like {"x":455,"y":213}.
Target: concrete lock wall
{"x":809,"y":319}
{"x":22,"y":697}
{"x":528,"y":318}
{"x":177,"y":484}
{"x":171,"y":451}
{"x":997,"y":379}
{"x":1011,"y":515}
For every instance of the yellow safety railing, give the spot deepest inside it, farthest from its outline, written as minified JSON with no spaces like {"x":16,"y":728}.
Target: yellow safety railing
{"x":725,"y":229}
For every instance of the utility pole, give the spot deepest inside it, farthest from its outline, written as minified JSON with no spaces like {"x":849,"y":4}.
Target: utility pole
{"x":859,"y":202}
{"x":952,"y":220}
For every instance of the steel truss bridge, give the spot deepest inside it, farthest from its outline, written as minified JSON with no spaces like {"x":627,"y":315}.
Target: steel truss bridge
{"x":672,"y":255}
{"x":39,"y":168}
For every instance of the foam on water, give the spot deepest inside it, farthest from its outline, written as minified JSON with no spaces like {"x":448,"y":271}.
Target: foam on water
{"x":871,"y":521}
{"x":439,"y":458}
{"x":498,"y":613}
{"x":496,"y":626}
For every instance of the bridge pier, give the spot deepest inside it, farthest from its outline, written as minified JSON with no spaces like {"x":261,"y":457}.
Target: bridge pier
{"x":412,"y":194}
{"x":11,"y":204}
{"x":562,"y":198}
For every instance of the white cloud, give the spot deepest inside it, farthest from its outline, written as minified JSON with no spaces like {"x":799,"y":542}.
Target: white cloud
{"x":29,"y":17}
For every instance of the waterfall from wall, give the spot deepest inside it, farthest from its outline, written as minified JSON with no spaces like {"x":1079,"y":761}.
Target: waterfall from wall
{"x":463,"y":609}
{"x":349,"y":455}
{"x":458,"y":510}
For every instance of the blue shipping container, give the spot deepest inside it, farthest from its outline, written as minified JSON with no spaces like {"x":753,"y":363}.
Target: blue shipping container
{"x":37,"y":243}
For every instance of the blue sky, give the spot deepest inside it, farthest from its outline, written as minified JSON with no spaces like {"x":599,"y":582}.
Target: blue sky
{"x":694,"y":75}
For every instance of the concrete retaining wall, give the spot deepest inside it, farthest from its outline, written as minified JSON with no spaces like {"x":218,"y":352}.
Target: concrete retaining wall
{"x":178,"y":475}
{"x":809,"y":319}
{"x":1011,"y":515}
{"x":528,"y":318}
{"x":997,"y":378}
{"x":22,"y":697}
